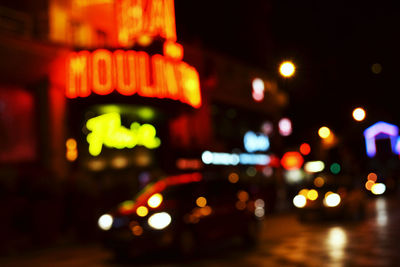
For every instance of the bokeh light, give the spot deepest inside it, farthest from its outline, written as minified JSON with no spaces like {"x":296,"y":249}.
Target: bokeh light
{"x":335,"y":168}
{"x":299,"y":201}
{"x":312,"y":194}
{"x":369,"y":184}
{"x":319,"y":182}
{"x":378,"y":189}
{"x":376,"y":68}
{"x":324,"y":132}
{"x":372,"y":177}
{"x":359,"y":114}
{"x":287,"y":69}
{"x":142,"y":211}
{"x":305,"y":149}
{"x":155,"y":200}
{"x":233,"y":177}
{"x":201,"y":202}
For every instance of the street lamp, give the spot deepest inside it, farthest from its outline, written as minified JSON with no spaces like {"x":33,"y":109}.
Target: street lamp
{"x":287,"y":69}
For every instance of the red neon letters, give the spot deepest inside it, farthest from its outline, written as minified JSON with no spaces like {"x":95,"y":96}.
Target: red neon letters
{"x":137,"y":18}
{"x":130,"y":72}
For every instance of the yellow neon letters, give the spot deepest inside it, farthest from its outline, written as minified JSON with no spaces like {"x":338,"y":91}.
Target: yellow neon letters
{"x":107,"y":130}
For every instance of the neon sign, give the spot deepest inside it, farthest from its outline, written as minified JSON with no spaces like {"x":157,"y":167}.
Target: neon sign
{"x":108,"y":131}
{"x":131,"y":72}
{"x":152,"y":18}
{"x":255,"y":142}
{"x":381,"y":130}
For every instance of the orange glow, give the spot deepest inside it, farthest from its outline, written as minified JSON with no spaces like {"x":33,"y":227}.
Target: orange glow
{"x":137,"y":230}
{"x":134,"y":72}
{"x":369,"y":184}
{"x":201,"y":202}
{"x":102,"y":72}
{"x":77,"y":75}
{"x":152,"y":18}
{"x":206,"y":211}
{"x":305,"y":149}
{"x":372,"y":177}
{"x":319,"y":182}
{"x":173,"y":50}
{"x":243,"y":196}
{"x":72,"y":152}
{"x":233,"y":178}
{"x":126,"y":79}
{"x":292,"y":160}
{"x":240,"y":205}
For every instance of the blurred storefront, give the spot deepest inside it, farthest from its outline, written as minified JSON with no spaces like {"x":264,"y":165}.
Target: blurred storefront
{"x":78,"y":75}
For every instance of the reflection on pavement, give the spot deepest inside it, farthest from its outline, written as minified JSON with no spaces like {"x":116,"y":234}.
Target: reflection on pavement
{"x":336,"y":243}
{"x":381,"y":212}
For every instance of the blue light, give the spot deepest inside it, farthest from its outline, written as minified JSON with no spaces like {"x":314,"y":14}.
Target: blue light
{"x":381,"y":130}
{"x":255,"y":142}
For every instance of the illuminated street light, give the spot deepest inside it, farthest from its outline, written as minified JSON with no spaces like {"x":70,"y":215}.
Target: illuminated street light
{"x":359,"y":114}
{"x":324,"y":132}
{"x":287,"y":69}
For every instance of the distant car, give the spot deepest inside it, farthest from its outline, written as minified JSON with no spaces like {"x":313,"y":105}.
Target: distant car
{"x":330,"y":197}
{"x":182,"y":213}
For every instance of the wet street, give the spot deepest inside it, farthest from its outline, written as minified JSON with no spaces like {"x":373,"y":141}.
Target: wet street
{"x":285,"y":242}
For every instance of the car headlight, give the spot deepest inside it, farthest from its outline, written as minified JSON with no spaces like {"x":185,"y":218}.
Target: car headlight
{"x":299,"y":201}
{"x":159,"y":220}
{"x":332,"y":200}
{"x":105,"y":222}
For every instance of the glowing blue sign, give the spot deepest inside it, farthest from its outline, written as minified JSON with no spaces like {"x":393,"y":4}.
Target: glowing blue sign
{"x":216,"y":158}
{"x":381,"y":130}
{"x":255,"y":142}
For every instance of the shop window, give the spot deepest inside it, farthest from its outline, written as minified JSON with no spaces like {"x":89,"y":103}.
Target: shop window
{"x":17,"y":130}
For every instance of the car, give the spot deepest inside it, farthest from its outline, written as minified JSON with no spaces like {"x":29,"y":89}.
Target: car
{"x":330,"y":197}
{"x":182,"y":213}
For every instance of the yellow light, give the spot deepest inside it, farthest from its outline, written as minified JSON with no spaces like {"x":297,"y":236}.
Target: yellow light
{"x":299,"y":201}
{"x":201,"y":202}
{"x":324,"y":132}
{"x":312,"y":194}
{"x":145,"y":40}
{"x":287,"y":69}
{"x":319,"y":182}
{"x":233,"y":178}
{"x":155,"y":200}
{"x":359,"y":114}
{"x":142,"y":211}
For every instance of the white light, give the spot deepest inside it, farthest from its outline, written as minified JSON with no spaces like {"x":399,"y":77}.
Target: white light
{"x":105,"y":222}
{"x":378,"y":189}
{"x":332,"y":200}
{"x":259,"y":212}
{"x":258,"y":85}
{"x":285,"y":127}
{"x":299,"y":201}
{"x":207,"y":157}
{"x":255,"y":142}
{"x":294,"y":176}
{"x":314,"y":166}
{"x":159,"y":220}
{"x":259,"y":203}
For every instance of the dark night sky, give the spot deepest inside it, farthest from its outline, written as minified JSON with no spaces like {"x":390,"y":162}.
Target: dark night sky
{"x":333,"y":45}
